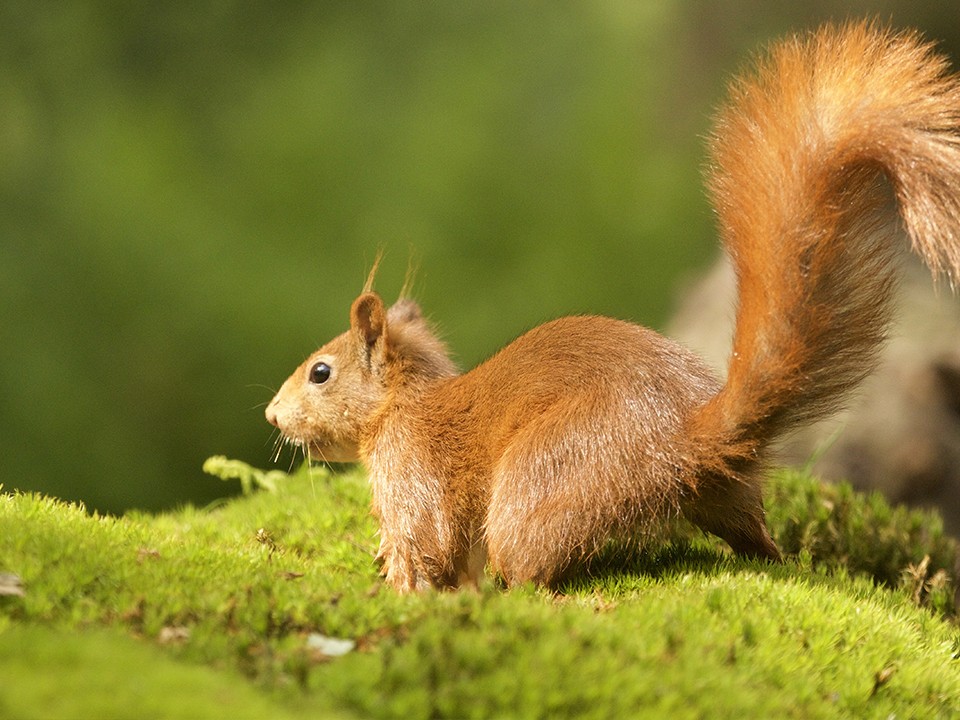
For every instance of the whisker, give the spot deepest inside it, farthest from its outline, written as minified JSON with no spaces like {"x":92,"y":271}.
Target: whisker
{"x":259,"y":386}
{"x":322,"y":459}
{"x":278,"y":446}
{"x":272,"y":439}
{"x":293,"y":456}
{"x":275,"y":435}
{"x":265,"y":402}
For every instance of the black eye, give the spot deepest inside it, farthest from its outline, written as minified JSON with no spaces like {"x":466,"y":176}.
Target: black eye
{"x":319,"y":373}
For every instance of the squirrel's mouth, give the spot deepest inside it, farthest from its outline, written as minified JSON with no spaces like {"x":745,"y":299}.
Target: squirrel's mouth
{"x":331,"y":452}
{"x":317,"y":450}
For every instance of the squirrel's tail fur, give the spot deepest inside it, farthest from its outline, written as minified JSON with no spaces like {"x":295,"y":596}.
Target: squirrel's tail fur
{"x":799,"y":158}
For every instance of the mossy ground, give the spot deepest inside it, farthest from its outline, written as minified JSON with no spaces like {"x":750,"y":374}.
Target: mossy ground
{"x":215,"y":613}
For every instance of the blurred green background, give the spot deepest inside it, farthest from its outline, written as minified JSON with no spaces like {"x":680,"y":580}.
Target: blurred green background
{"x":191,"y":195}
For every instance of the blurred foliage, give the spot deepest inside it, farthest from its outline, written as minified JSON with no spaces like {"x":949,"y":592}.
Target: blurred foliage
{"x":191,"y":194}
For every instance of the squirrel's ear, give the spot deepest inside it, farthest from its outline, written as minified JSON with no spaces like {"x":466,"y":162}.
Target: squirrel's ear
{"x":368,"y":320}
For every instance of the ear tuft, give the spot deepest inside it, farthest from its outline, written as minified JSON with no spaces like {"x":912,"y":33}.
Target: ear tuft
{"x":404,"y":311}
{"x":368,"y":319}
{"x":371,"y":276}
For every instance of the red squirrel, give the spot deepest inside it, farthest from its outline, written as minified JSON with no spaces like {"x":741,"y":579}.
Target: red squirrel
{"x":588,"y":430}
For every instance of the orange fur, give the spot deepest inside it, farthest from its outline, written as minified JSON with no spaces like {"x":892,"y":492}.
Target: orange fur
{"x":588,"y":430}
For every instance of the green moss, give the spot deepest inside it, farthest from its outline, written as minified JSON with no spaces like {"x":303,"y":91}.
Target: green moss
{"x":831,"y":525}
{"x":230,"y":596}
{"x":55,"y":672}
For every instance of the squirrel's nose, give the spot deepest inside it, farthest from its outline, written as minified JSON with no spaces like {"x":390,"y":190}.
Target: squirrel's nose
{"x":271,"y":413}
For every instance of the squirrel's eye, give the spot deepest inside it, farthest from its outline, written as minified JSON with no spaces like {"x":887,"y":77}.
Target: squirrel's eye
{"x":319,"y":373}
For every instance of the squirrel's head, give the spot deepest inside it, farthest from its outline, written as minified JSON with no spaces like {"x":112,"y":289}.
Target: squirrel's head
{"x":326,"y":407}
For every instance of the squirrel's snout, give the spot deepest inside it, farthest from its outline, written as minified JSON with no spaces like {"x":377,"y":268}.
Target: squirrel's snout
{"x":271,"y":413}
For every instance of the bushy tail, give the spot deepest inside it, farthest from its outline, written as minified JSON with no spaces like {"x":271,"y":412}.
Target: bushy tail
{"x":803,"y":159}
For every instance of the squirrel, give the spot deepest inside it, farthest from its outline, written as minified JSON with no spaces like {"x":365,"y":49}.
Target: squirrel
{"x":590,"y":430}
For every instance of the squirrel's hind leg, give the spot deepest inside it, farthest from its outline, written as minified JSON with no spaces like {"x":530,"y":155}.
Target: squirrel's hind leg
{"x":732,"y":509}
{"x":560,"y":495}
{"x":538,"y":525}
